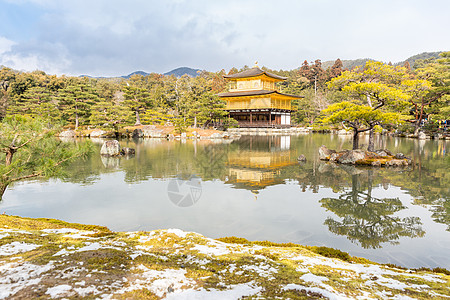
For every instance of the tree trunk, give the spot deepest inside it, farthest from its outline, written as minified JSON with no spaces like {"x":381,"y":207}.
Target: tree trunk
{"x":76,"y":121}
{"x":3,"y":187}
{"x":416,"y":128}
{"x":371,"y":146}
{"x":138,"y":120}
{"x":9,"y":157}
{"x":195,"y":122}
{"x":355,"y":139}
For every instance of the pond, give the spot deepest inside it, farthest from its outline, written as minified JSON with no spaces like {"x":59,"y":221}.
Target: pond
{"x":255,"y":188}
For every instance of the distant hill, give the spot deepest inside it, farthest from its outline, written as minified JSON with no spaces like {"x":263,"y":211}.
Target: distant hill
{"x":178,"y":72}
{"x":350,"y":64}
{"x":347,"y":64}
{"x":425,"y":55}
{"x":135,"y":73}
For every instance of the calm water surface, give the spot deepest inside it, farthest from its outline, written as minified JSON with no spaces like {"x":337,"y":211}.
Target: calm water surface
{"x":255,"y":188}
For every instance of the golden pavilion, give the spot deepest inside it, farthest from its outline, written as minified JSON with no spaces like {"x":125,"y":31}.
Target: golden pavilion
{"x":255,"y":100}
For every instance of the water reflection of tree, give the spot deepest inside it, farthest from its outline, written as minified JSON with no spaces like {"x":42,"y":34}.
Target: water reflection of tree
{"x":367,"y":219}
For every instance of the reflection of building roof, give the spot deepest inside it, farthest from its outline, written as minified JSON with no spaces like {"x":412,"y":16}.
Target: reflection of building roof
{"x":254,"y":93}
{"x":260,"y":160}
{"x":253,"y":72}
{"x":253,"y":179}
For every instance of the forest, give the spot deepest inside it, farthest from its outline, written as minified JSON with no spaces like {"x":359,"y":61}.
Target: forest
{"x":393,"y":97}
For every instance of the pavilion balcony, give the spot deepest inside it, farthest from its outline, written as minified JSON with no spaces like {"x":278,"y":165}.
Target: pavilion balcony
{"x":262,"y":124}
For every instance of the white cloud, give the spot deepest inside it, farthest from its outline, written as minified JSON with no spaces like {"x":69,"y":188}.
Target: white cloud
{"x":5,"y":45}
{"x":111,"y":37}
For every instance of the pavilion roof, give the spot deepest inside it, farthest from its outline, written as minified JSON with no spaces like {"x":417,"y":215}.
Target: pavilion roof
{"x":255,"y":71}
{"x":254,"y":93}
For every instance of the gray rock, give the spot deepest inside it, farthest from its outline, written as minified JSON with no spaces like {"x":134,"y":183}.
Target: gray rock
{"x":325,"y":153}
{"x":352,"y":156}
{"x":334,"y":156}
{"x":216,"y":135}
{"x":110,"y":148}
{"x":128,"y":151}
{"x":396,"y":163}
{"x":97,"y":133}
{"x":383,"y":152}
{"x":400,"y":156}
{"x":67,"y":133}
{"x":422,"y":136}
{"x":376,"y":163}
{"x":302,"y":158}
{"x":183,"y":135}
{"x":171,"y":136}
{"x":137,"y":133}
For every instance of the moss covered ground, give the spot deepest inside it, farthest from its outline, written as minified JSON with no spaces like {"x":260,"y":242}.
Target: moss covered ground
{"x":45,"y":258}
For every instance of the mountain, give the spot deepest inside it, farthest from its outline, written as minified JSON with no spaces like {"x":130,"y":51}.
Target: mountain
{"x":178,"y":72}
{"x":135,"y":73}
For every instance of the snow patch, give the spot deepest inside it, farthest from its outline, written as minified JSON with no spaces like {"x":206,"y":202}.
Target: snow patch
{"x":313,"y":278}
{"x":58,"y":290}
{"x":236,"y":292}
{"x":178,"y":232}
{"x":16,"y":276}
{"x":16,"y":247}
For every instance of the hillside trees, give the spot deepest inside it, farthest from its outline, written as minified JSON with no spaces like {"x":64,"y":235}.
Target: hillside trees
{"x":76,"y":99}
{"x":431,"y":91}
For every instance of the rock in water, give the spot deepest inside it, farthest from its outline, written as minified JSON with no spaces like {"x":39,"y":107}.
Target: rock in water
{"x":110,"y":148}
{"x":128,"y":151}
{"x":383,"y":152}
{"x":400,"y":156}
{"x":325,"y":153}
{"x":422,"y":136}
{"x":352,"y":156}
{"x":302,"y":158}
{"x":138,"y":133}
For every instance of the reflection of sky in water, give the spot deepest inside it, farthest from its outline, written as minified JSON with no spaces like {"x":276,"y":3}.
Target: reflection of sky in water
{"x":276,"y":212}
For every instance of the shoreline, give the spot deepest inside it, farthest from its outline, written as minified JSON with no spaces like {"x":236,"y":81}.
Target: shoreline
{"x":52,"y":258}
{"x":169,"y":132}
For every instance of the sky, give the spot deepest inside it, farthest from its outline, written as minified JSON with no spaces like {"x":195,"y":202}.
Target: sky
{"x":114,"y":38}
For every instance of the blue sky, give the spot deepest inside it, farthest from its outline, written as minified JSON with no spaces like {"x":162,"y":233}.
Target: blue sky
{"x":110,"y":37}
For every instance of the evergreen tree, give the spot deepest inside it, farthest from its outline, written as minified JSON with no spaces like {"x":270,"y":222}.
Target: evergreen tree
{"x":75,"y":100}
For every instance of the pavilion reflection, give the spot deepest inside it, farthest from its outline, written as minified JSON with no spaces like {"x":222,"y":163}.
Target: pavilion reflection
{"x":259,"y":161}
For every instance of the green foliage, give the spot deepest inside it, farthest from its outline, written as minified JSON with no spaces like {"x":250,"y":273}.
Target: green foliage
{"x":357,"y":116}
{"x":29,"y":149}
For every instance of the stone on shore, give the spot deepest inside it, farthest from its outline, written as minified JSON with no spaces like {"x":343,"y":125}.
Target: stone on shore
{"x":97,"y":133}
{"x":67,"y":133}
